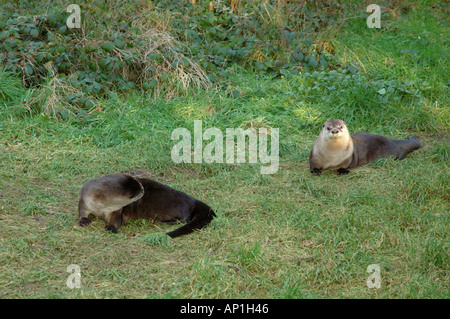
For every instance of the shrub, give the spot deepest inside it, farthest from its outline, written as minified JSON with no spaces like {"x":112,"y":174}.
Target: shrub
{"x":114,"y":54}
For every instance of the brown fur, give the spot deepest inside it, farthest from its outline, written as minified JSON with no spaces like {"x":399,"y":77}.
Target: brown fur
{"x":119,"y":197}
{"x":336,"y":149}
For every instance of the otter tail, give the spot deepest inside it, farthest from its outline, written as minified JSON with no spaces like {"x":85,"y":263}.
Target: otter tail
{"x":407,"y":146}
{"x":202,"y":215}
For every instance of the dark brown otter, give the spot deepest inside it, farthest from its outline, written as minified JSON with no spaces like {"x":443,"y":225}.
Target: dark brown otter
{"x":336,"y":149}
{"x":119,"y":197}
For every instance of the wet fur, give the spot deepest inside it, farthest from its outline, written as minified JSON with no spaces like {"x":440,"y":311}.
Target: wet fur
{"x":336,"y":149}
{"x":120,"y":197}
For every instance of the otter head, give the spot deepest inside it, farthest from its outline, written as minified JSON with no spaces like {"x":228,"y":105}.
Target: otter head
{"x":335,"y":130}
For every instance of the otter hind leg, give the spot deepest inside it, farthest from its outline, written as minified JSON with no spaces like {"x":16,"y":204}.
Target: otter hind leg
{"x":113,"y":221}
{"x":404,"y":147}
{"x":343,"y":171}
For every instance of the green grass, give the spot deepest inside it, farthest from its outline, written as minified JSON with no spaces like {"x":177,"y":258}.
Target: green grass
{"x":287,"y":235}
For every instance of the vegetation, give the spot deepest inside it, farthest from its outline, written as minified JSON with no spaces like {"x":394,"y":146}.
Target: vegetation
{"x":77,"y":104}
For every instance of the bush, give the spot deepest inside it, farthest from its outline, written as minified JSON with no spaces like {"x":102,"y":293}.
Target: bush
{"x":160,"y":47}
{"x":110,"y":54}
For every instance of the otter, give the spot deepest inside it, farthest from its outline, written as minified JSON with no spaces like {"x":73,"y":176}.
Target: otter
{"x":336,"y":149}
{"x":130,"y":195}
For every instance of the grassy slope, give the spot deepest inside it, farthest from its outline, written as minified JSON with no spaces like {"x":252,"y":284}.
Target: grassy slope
{"x":288,"y":235}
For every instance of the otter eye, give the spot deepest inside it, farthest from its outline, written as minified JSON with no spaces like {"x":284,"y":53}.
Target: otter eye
{"x":328,"y":128}
{"x":340,"y":127}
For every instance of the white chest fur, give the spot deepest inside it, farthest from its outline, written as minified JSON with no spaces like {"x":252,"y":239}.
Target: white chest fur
{"x":331,"y":153}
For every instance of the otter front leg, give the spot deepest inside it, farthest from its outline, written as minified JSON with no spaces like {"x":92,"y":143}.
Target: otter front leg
{"x":113,"y":221}
{"x":314,"y":165}
{"x":83,"y":214}
{"x":84,"y":221}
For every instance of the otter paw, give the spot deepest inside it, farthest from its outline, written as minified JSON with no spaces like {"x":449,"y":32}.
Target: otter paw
{"x":111,"y":228}
{"x":316,"y":171}
{"x":84,"y":221}
{"x":343,"y":171}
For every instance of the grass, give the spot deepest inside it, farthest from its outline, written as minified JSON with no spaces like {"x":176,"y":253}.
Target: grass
{"x":287,"y":235}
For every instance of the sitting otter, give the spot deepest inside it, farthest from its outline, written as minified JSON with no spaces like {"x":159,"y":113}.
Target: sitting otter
{"x":336,"y":149}
{"x":119,"y":197}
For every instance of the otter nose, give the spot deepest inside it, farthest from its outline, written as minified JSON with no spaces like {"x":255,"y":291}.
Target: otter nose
{"x":335,"y":131}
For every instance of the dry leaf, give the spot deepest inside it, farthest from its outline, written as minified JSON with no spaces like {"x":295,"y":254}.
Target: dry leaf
{"x":307,"y":243}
